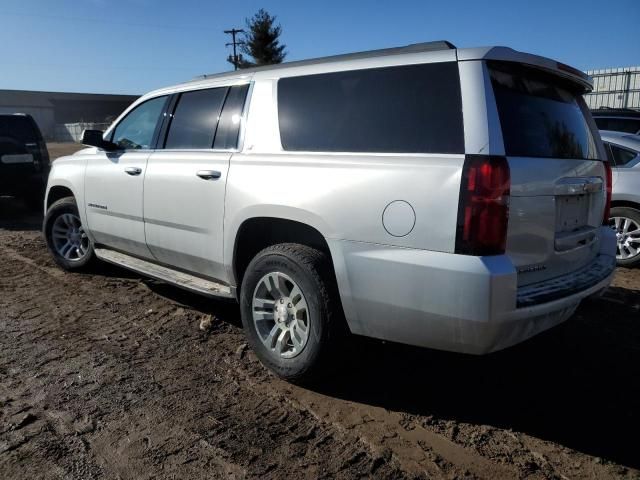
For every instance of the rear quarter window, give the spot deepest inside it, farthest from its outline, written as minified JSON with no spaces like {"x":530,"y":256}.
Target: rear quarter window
{"x":540,"y":114}
{"x":407,"y":109}
{"x":620,"y":156}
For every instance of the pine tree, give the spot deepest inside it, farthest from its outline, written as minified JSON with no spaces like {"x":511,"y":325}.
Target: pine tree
{"x":261,"y":42}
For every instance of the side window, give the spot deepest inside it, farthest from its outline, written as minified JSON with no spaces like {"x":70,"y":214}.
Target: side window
{"x":136,"y":130}
{"x":622,"y":156}
{"x":229,"y":126}
{"x":195,"y":119}
{"x":407,"y":109}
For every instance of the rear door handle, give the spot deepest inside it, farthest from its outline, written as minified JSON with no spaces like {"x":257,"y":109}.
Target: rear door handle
{"x":209,"y":174}
{"x":133,"y":170}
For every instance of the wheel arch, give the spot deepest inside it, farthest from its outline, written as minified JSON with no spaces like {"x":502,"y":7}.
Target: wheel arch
{"x":56,"y":192}
{"x":257,"y":233}
{"x":625,"y":203}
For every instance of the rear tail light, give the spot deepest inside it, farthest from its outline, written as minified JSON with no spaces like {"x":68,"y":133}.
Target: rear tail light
{"x":483,"y":209}
{"x":609,"y":182}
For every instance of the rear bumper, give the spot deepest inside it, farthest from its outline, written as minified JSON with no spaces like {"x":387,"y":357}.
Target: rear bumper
{"x":454,"y":302}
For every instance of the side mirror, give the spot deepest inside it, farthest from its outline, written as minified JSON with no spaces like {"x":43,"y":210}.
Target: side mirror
{"x":93,"y":138}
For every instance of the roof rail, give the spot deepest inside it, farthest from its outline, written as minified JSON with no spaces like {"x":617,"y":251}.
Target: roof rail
{"x":412,"y":48}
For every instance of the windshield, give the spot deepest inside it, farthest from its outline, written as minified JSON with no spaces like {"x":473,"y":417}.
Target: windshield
{"x":541,"y":115}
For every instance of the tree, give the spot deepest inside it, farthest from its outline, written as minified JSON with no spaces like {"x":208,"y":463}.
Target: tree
{"x":261,"y":41}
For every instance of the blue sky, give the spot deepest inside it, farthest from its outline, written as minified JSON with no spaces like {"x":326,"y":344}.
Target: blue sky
{"x":133,"y":46}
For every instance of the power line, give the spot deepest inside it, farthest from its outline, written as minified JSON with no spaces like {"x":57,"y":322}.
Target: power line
{"x":235,"y":58}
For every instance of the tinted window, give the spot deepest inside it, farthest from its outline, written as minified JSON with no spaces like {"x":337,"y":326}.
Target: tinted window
{"x":229,"y":127}
{"x":602,"y":123}
{"x":194,"y":121}
{"x":136,"y":130}
{"x":621,"y":156}
{"x":410,"y":109}
{"x":540,"y":115}
{"x":19,"y":128}
{"x":628,"y":125}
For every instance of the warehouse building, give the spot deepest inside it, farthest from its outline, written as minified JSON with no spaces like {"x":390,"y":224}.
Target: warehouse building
{"x":615,"y":88}
{"x":57,"y":113}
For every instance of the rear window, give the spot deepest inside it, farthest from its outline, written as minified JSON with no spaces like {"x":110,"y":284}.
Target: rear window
{"x":19,"y":128}
{"x":408,"y":109}
{"x":541,"y":115}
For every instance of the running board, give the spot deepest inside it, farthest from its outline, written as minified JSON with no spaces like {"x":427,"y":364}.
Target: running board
{"x":153,"y":270}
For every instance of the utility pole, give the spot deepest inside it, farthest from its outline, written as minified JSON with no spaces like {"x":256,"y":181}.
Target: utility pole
{"x":235,"y":59}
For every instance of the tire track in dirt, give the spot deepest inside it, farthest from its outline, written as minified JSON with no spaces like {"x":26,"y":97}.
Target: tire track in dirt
{"x":144,"y":391}
{"x":138,"y":421}
{"x":417,"y":451}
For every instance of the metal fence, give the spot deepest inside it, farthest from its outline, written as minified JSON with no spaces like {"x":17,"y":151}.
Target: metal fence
{"x":615,"y":88}
{"x":72,"y":132}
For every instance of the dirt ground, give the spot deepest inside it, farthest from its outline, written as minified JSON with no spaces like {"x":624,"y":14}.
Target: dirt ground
{"x":108,"y":375}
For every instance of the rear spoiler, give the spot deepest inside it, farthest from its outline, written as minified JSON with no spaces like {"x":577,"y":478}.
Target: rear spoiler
{"x":506,"y":54}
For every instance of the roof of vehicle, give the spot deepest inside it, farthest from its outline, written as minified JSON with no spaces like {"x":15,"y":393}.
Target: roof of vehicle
{"x":17,"y":114}
{"x":616,"y":112}
{"x":416,"y":53}
{"x":628,"y":140}
{"x":413,"y":48}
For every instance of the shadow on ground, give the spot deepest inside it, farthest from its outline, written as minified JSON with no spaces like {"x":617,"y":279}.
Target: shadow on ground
{"x":577,"y":385}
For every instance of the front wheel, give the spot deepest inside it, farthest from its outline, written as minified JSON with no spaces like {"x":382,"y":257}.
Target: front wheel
{"x":65,"y":236}
{"x":290,"y":311}
{"x":626,"y":223}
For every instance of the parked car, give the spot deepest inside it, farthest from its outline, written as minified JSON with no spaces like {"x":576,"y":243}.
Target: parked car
{"x":623,"y":151}
{"x":617,"y":119}
{"x":448,"y":198}
{"x":24,"y":159}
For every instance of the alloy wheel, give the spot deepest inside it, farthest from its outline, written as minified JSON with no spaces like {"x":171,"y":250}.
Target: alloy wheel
{"x":628,"y":237}
{"x":281,"y":315}
{"x":69,"y":238}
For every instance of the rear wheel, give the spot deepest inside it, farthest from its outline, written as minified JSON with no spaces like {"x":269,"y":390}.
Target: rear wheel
{"x":626,"y":223}
{"x":65,"y":236}
{"x":290,"y":311}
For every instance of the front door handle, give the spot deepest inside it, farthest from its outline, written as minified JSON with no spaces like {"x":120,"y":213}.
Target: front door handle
{"x":209,"y":174}
{"x":133,"y":170}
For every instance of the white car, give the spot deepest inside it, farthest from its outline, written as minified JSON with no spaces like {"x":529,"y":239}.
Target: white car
{"x":448,"y":198}
{"x":623,"y":151}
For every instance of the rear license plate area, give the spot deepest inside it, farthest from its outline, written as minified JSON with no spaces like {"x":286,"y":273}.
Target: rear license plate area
{"x":572,"y":212}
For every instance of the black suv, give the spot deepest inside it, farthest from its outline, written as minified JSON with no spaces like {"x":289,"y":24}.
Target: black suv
{"x":617,"y":119}
{"x":24,"y":159}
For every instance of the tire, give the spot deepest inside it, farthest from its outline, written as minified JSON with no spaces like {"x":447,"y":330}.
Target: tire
{"x":315,"y":304}
{"x":625,"y":220}
{"x":73,"y":251}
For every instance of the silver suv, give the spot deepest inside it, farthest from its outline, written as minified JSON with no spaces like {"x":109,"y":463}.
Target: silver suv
{"x":441,"y":197}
